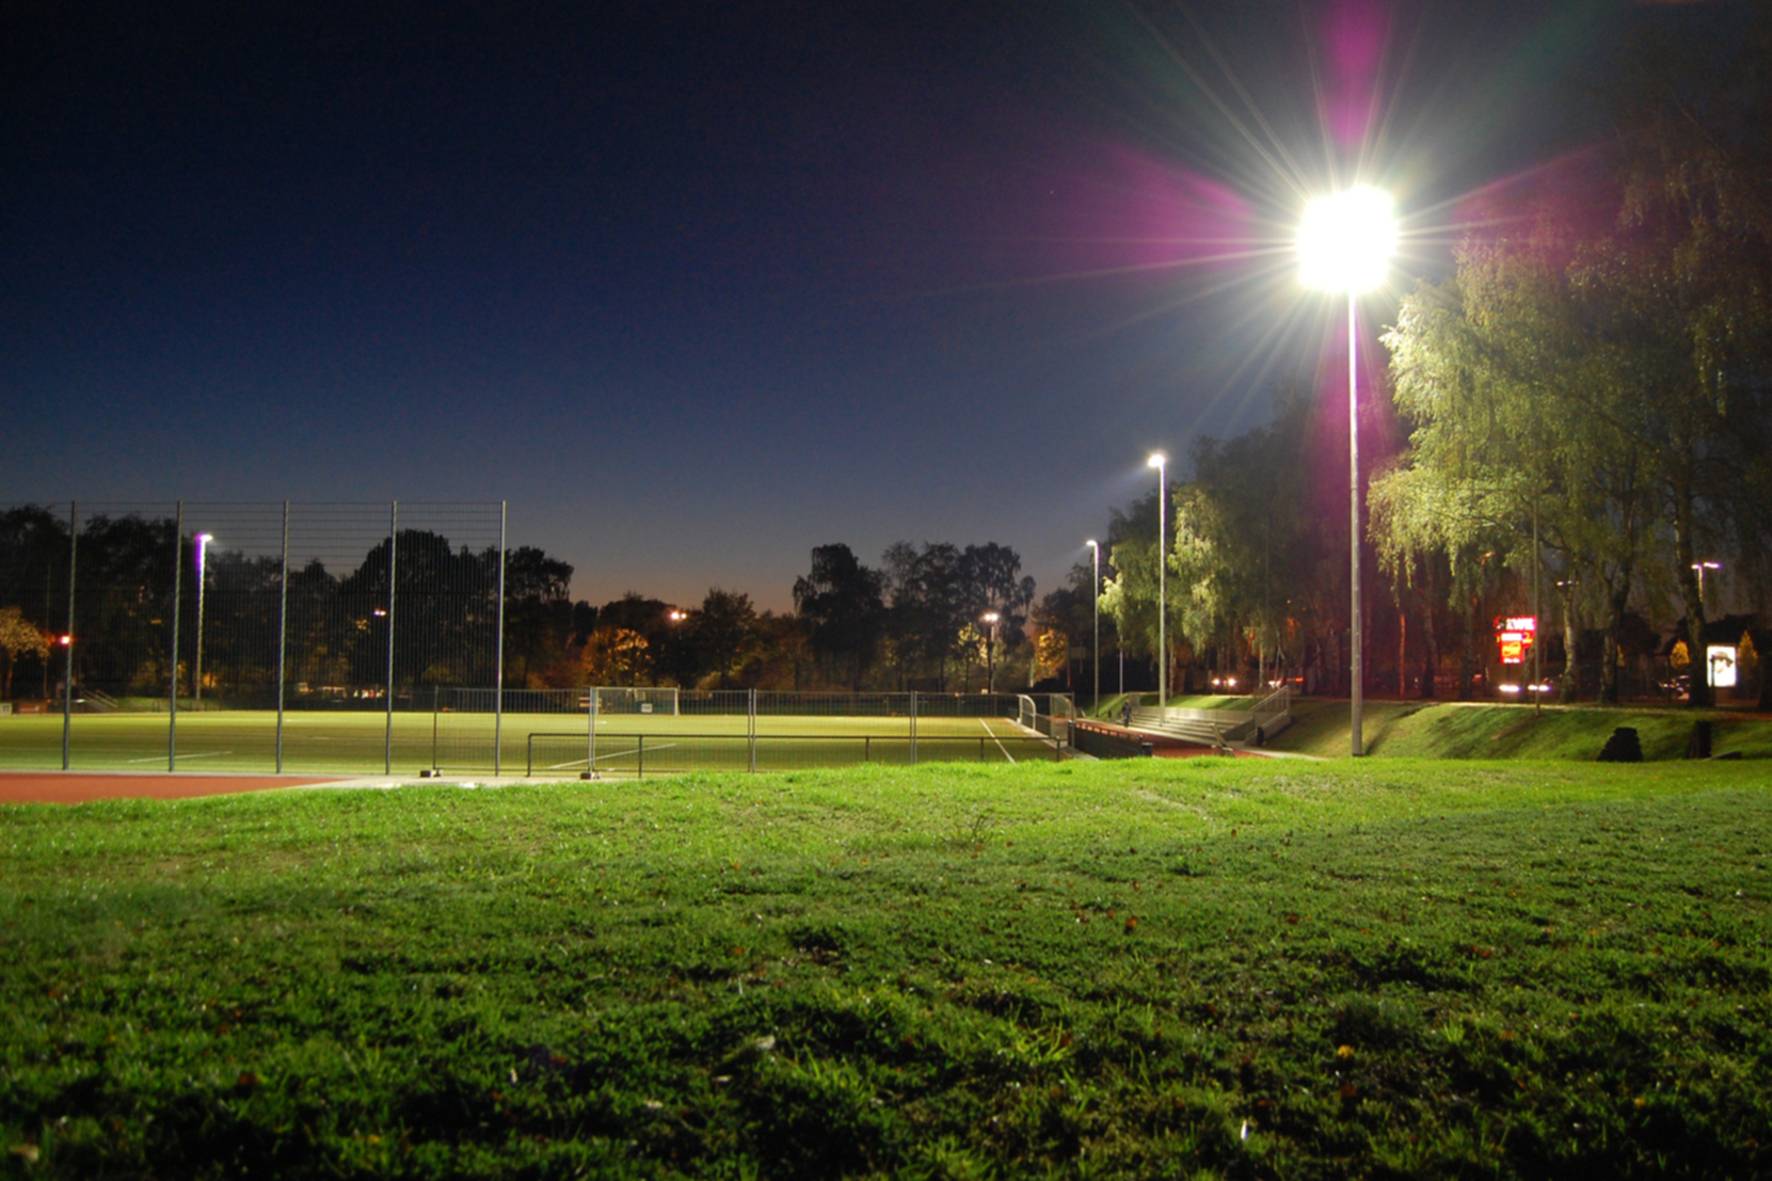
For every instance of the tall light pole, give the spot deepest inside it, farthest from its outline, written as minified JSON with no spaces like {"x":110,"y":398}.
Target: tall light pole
{"x":990,"y":652}
{"x":203,"y":540}
{"x":1095,"y":602}
{"x":1701,"y":567}
{"x":1160,"y":461}
{"x":1344,"y":245}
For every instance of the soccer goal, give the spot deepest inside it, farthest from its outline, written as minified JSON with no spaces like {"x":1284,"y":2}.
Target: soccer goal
{"x":633,"y":700}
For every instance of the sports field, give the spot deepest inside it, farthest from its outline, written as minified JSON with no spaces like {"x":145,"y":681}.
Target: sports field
{"x":556,"y":744}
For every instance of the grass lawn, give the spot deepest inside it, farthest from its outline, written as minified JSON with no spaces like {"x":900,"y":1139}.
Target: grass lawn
{"x":1485,"y":730}
{"x":1207,"y":968}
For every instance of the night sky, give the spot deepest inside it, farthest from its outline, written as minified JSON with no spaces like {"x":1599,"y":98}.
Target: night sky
{"x":699,"y":287}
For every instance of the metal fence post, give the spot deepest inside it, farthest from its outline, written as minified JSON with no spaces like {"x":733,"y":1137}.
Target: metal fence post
{"x":498,"y":703}
{"x":591,"y":737}
{"x":178,"y":574}
{"x":913,"y":727}
{"x":282,"y":631}
{"x":68,"y":636}
{"x":393,"y":568}
{"x":751,"y":730}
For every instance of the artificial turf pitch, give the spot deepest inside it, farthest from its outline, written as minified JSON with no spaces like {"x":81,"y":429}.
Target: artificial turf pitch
{"x":357,"y":743}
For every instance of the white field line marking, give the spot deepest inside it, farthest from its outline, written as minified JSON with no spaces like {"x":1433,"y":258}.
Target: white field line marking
{"x":208,"y":754}
{"x":632,"y":750}
{"x":620,"y":754}
{"x":995,"y":739}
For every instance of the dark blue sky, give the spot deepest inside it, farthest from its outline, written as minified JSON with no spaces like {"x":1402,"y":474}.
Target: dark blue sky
{"x":699,"y":287}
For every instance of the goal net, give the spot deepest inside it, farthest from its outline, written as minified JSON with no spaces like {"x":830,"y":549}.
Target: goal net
{"x":631,"y":700}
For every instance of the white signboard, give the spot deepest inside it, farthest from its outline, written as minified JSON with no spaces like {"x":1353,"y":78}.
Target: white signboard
{"x":1719,"y":661}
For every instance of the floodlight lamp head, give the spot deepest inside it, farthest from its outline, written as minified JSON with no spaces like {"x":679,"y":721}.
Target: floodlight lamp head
{"x":1346,"y":240}
{"x":1093,"y":544}
{"x":990,"y":617}
{"x":1157,"y":460}
{"x":205,"y":538}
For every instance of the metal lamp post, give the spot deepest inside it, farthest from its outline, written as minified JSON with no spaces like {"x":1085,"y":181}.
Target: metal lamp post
{"x":990,"y":652}
{"x":1160,"y":461}
{"x":1701,"y":567}
{"x":1095,"y":603}
{"x":203,"y":540}
{"x":1344,"y":245}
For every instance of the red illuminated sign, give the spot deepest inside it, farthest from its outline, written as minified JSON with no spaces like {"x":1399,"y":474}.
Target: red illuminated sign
{"x":1514,"y":636}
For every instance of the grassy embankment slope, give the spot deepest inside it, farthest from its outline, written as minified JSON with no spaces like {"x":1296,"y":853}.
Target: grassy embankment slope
{"x":1221,"y":967}
{"x":1451,"y":730}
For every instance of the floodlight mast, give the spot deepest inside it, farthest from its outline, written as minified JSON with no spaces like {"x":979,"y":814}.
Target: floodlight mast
{"x":1160,"y":461}
{"x":203,"y":540}
{"x":990,"y":652}
{"x":1345,"y":242}
{"x":1095,"y":604}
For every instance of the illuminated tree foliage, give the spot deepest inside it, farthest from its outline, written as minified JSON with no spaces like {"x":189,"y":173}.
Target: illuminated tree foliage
{"x":1603,"y":394}
{"x":615,"y":656}
{"x":18,"y":637}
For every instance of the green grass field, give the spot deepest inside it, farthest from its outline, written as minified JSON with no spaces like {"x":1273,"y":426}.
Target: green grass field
{"x":1484,"y":730}
{"x":1209,"y":968}
{"x":354,"y":742}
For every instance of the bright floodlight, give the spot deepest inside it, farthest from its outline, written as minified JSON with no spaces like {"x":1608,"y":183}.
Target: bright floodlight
{"x":1157,"y":460}
{"x":1346,"y":240}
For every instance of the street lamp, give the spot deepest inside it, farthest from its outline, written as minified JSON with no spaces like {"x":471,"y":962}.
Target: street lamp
{"x":1095,"y":603}
{"x":1344,"y":245}
{"x":203,"y":540}
{"x":1160,"y":461}
{"x":990,"y":652}
{"x":1701,"y":567}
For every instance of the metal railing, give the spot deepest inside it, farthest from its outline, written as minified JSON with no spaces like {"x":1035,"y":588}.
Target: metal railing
{"x":1107,"y":744}
{"x":1271,"y":714}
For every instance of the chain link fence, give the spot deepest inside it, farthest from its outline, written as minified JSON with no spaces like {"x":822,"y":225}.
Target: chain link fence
{"x":276,"y":636}
{"x":225,"y":620}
